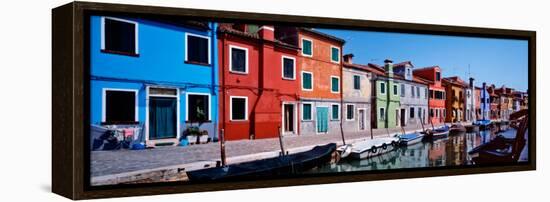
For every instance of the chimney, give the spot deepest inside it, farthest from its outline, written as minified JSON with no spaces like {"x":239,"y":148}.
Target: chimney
{"x":388,"y":66}
{"x":471,"y":82}
{"x":267,"y":32}
{"x":348,"y":58}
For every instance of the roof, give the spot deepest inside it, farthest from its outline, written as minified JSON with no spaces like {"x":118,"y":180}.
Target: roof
{"x":228,"y":28}
{"x":334,"y":38}
{"x":455,"y":80}
{"x":373,"y":69}
{"x":379,"y":71}
{"x":402,"y":64}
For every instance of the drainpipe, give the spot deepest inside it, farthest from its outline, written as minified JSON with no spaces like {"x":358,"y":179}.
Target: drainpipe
{"x":342,"y":100}
{"x":214,"y":63}
{"x":223,"y":65}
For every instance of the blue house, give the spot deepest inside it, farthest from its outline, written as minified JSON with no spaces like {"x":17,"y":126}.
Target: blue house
{"x":158,"y":75}
{"x":485,"y":103}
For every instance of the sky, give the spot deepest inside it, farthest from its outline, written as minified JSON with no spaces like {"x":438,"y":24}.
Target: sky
{"x":495,"y":61}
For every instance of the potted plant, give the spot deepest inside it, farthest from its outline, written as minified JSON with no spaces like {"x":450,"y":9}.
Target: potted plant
{"x":194,"y":133}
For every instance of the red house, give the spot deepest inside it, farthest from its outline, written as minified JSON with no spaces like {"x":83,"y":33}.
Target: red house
{"x":258,"y":75}
{"x":436,"y":102}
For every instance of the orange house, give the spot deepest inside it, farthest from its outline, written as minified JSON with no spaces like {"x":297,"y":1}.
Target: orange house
{"x":321,"y":78}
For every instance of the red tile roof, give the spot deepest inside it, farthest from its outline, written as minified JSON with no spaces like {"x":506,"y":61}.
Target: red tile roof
{"x":228,"y":28}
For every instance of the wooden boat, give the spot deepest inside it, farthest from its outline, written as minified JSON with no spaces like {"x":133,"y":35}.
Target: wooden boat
{"x":373,"y":147}
{"x":472,"y":128}
{"x":502,"y":149}
{"x":410,"y":138}
{"x":437,"y":133}
{"x":265,"y":168}
{"x":457,"y":128}
{"x":483,"y":124}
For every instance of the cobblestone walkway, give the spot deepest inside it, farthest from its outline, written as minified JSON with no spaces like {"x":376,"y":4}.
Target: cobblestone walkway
{"x":121,"y":161}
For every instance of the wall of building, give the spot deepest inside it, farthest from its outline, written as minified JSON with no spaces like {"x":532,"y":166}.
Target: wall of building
{"x":409,"y":100}
{"x":161,"y":62}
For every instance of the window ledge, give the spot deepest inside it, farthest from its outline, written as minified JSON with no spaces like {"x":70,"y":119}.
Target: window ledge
{"x":120,"y":53}
{"x":208,"y":121}
{"x":120,"y":123}
{"x":289,"y":79}
{"x":239,"y":73}
{"x":197,"y":63}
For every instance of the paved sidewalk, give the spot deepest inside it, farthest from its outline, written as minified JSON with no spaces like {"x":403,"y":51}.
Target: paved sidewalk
{"x":122,"y":161}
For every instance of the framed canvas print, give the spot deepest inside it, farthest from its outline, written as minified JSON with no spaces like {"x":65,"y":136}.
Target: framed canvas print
{"x":154,"y":100}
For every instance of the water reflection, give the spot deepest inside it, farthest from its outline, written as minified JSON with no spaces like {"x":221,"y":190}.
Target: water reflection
{"x":450,"y":151}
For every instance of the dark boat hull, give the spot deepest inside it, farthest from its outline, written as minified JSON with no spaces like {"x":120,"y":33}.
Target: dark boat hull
{"x":265,"y":168}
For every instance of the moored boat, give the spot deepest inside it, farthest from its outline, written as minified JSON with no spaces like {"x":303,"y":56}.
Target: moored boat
{"x":437,"y":133}
{"x":410,"y":138}
{"x":271,"y":167}
{"x":483,"y":124}
{"x":457,"y":128}
{"x":373,"y":147}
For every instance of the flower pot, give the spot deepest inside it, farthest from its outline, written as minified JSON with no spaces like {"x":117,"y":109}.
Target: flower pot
{"x":192,"y":139}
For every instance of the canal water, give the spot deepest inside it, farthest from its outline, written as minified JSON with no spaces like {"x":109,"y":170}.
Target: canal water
{"x":449,"y":151}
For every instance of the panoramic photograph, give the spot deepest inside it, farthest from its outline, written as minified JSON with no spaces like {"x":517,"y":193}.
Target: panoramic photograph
{"x":181,"y":100}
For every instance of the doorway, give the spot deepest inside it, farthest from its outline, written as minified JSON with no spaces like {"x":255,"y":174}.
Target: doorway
{"x":402,"y":117}
{"x":289,"y":119}
{"x":362,"y":118}
{"x":322,"y":119}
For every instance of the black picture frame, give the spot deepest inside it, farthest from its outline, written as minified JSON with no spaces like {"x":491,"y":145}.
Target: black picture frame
{"x":70,"y":159}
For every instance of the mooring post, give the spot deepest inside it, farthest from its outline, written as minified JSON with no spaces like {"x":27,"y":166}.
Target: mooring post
{"x":222,"y":146}
{"x":281,"y":142}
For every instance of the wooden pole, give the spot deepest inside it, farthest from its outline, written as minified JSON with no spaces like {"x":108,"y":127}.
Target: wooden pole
{"x":222,"y":147}
{"x":281,"y":142}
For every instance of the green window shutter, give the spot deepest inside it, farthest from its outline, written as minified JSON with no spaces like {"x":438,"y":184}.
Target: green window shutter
{"x":335,"y":112}
{"x":307,"y":47}
{"x":382,"y":88}
{"x":335,"y":54}
{"x":335,"y":84}
{"x":306,"y":108}
{"x":356,"y":82}
{"x":307,"y":81}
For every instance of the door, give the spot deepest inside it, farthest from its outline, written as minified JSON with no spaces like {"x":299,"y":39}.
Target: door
{"x":162,"y":118}
{"x":362,"y":118}
{"x":402,"y":117}
{"x":322,"y":119}
{"x":288,"y":118}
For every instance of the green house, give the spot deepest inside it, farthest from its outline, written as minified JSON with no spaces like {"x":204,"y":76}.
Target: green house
{"x":386,"y":104}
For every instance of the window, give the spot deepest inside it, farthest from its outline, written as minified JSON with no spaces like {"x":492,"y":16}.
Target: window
{"x":431,"y":112}
{"x":411,"y":112}
{"x":120,"y":106}
{"x":356,"y":82}
{"x":307,"y":47}
{"x":394,"y":89}
{"x":417,"y":92}
{"x":119,"y":36}
{"x":382,"y":115}
{"x":419,"y":112}
{"x":444,"y":112}
{"x":306,"y":111}
{"x":437,"y":113}
{"x":335,"y":112}
{"x":439,"y":95}
{"x":425,"y":93}
{"x":335,"y":54}
{"x":412,"y":91}
{"x":238,"y":59}
{"x":402,"y":90}
{"x":438,"y":76}
{"x":198,"y":107}
{"x":382,"y":88}
{"x":239,"y":108}
{"x":289,"y":68}
{"x":431,"y":94}
{"x":350,"y":112}
{"x":307,"y":81}
{"x":197,"y":49}
{"x":334,"y":84}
